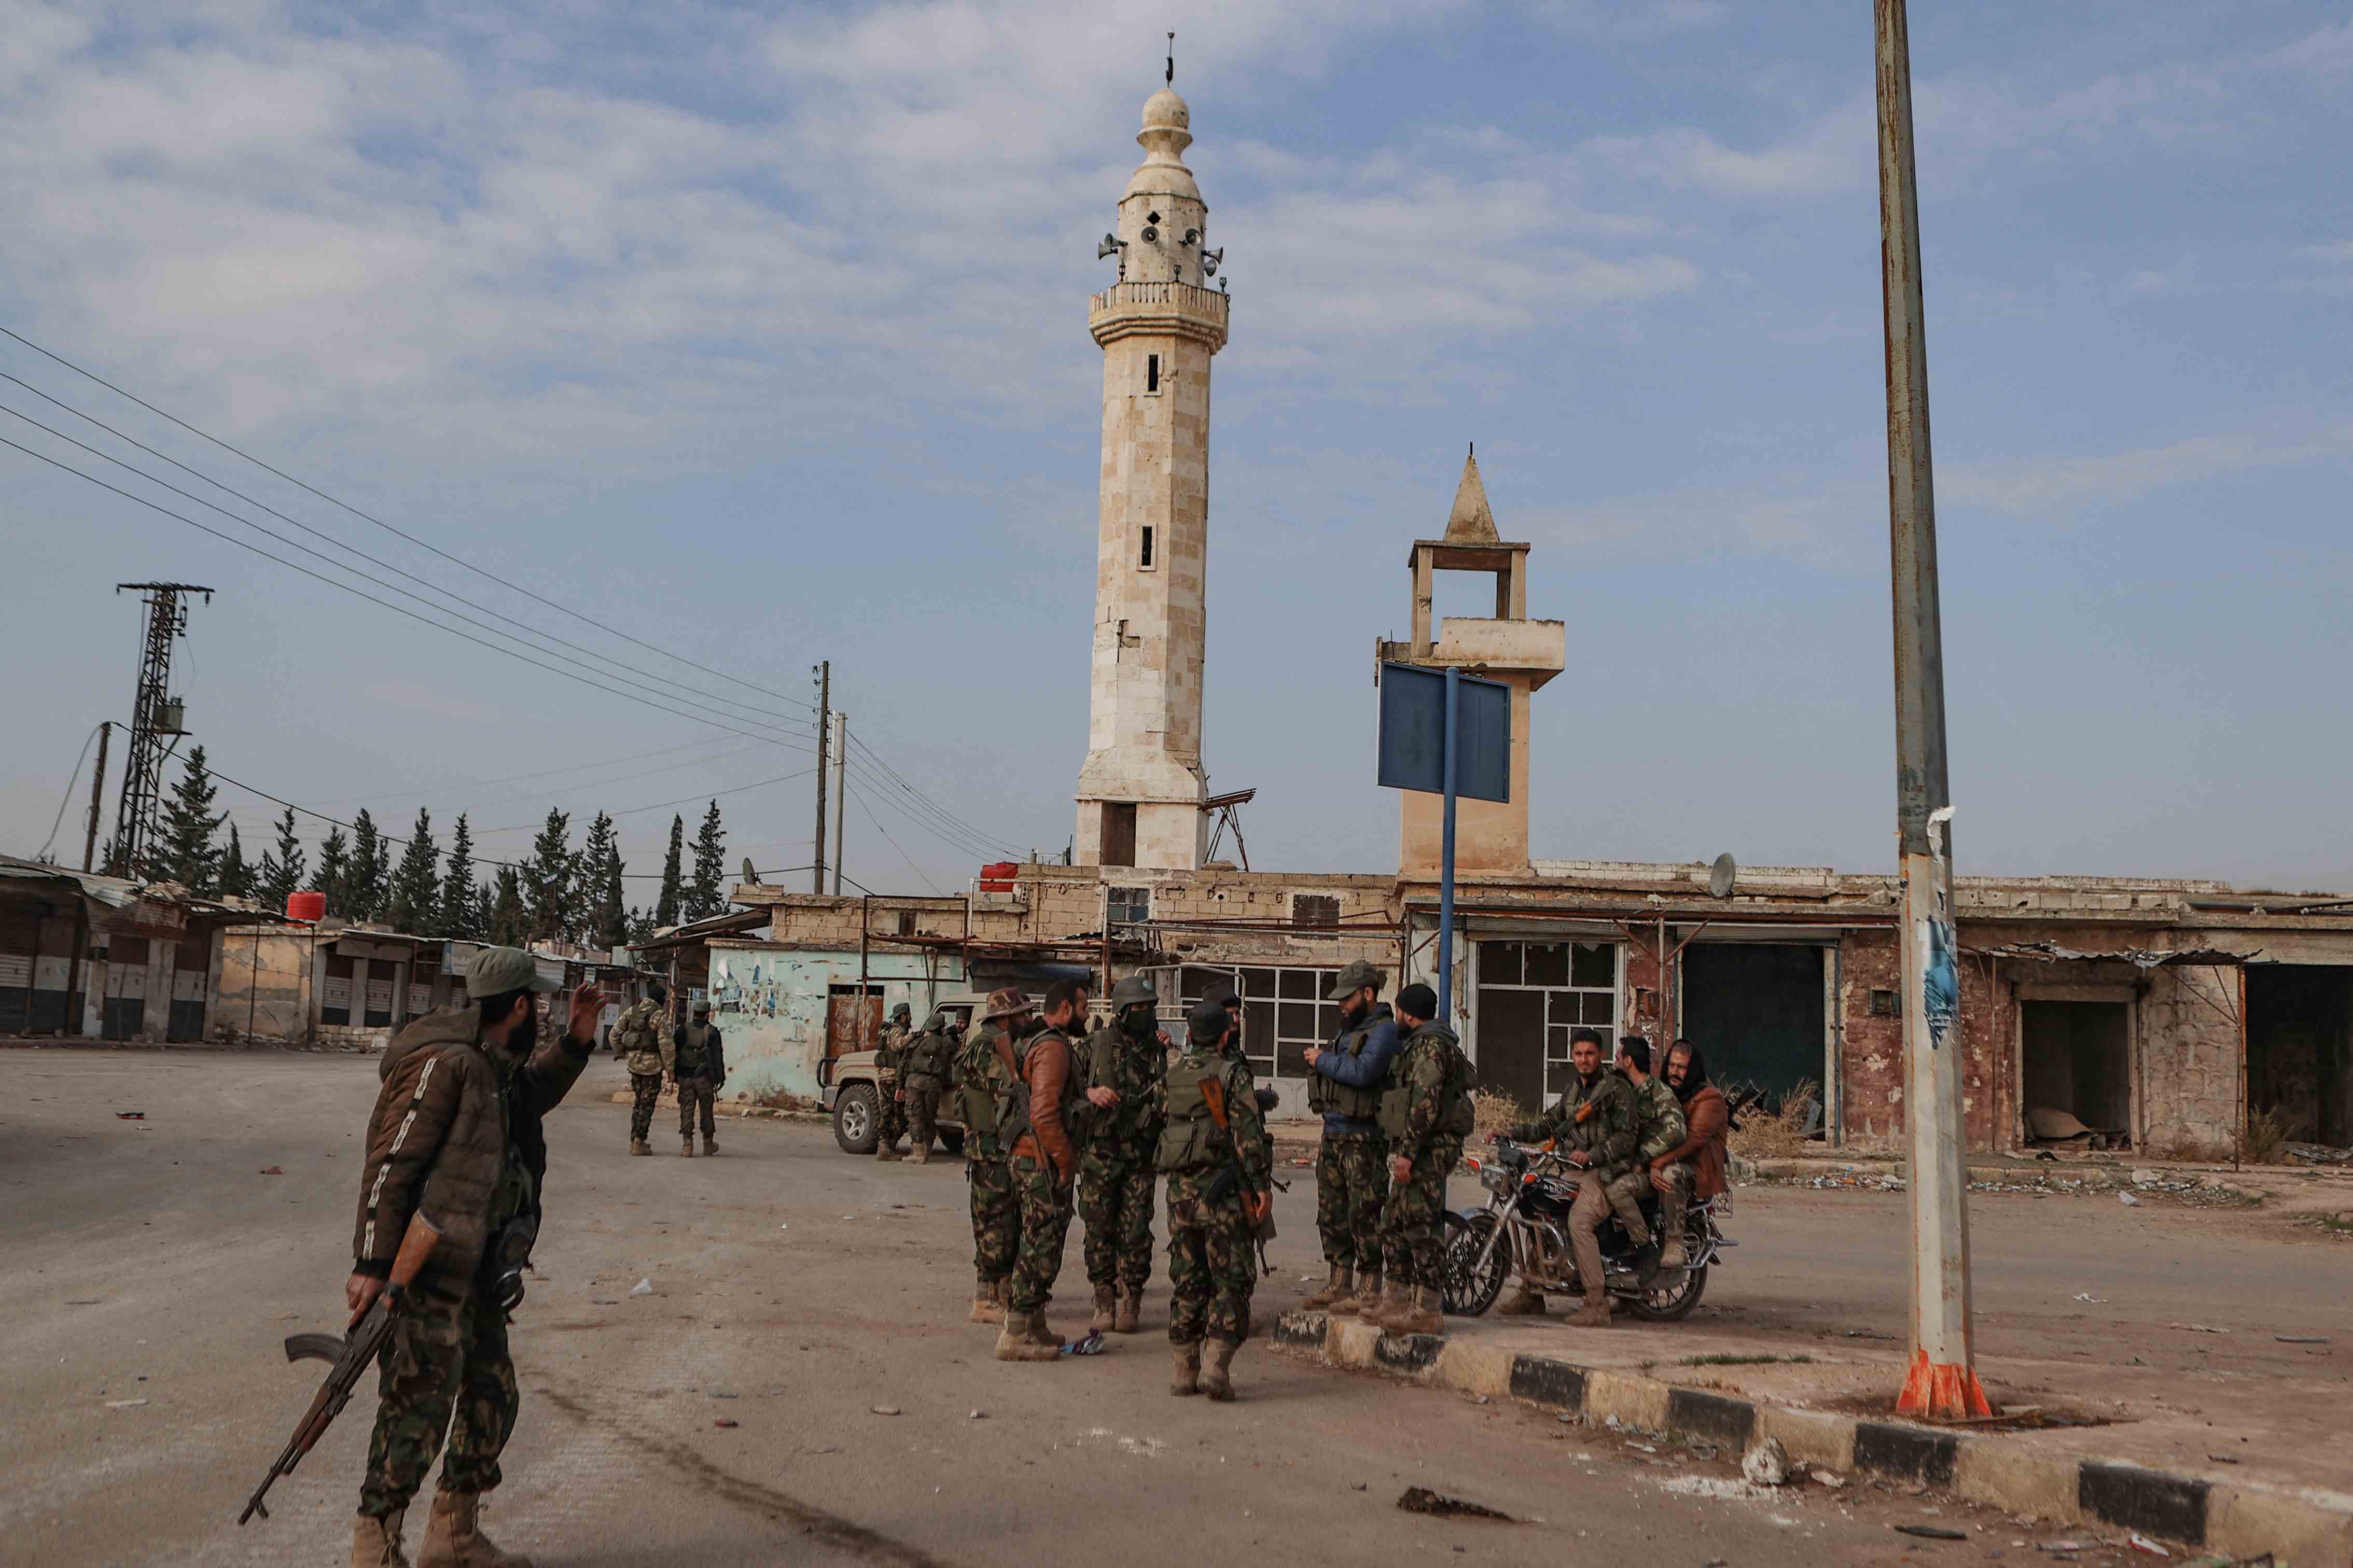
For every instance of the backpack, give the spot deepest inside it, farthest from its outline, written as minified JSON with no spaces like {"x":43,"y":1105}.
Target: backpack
{"x":1456,"y":1114}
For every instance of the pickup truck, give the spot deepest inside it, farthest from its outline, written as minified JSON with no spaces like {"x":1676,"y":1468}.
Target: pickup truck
{"x":847,"y":1086}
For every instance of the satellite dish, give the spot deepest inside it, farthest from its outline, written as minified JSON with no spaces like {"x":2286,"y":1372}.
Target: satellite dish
{"x":1720,"y":876}
{"x":751,"y":877}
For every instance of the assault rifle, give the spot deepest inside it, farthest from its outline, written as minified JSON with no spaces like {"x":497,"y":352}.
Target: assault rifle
{"x":348,"y":1357}
{"x":1234,"y":1175}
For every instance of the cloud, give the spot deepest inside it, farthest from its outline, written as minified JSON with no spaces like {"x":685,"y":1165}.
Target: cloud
{"x":2048,"y":484}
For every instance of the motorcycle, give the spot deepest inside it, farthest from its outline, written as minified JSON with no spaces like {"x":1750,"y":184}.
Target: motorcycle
{"x":1524,"y":1230}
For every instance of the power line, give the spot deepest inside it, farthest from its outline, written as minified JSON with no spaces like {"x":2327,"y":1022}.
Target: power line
{"x":544,"y":773}
{"x":340,"y":544}
{"x":662,"y":804}
{"x":242,"y":544}
{"x":885,"y":832}
{"x":70,"y":777}
{"x":388,"y":528}
{"x":900,"y":781}
{"x":945,"y":828}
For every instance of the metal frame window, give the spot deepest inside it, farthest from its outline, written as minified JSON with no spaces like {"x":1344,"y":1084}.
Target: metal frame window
{"x":1127,"y":906}
{"x":1580,"y":980}
{"x":1283,"y":1010}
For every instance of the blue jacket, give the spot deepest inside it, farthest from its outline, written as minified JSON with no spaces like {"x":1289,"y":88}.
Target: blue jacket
{"x":1363,"y":1070}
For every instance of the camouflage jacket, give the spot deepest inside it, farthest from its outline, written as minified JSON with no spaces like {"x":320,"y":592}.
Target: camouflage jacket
{"x":638,"y":1032}
{"x":980,"y":1079}
{"x":928,"y":1055}
{"x":890,"y":1051}
{"x":1599,"y":1117}
{"x":1660,"y":1124}
{"x":1435,"y":1076}
{"x":1134,"y":1071}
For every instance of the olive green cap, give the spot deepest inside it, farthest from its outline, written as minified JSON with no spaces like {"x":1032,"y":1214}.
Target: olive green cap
{"x":1207,"y":1022}
{"x":1355,"y":978}
{"x":495,"y":970}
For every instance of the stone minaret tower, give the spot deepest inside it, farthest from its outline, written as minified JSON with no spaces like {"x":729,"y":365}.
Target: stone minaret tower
{"x":1140,"y":793}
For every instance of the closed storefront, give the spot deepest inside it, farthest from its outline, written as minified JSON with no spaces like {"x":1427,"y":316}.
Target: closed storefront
{"x":191,"y":986}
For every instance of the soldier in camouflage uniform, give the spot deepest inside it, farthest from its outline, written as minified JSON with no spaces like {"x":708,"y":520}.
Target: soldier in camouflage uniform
{"x":1352,"y":1180}
{"x":1126,"y":1060}
{"x":891,"y":1114}
{"x":638,"y":1033}
{"x":460,"y":1085}
{"x":924,"y":1067}
{"x":1218,"y":1191}
{"x":1044,"y":1125}
{"x":983,"y":1085}
{"x":1595,"y":1127}
{"x":1425,"y":1114}
{"x":1659,"y":1127}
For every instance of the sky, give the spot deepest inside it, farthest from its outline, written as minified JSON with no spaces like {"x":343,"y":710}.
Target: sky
{"x":717,"y":340}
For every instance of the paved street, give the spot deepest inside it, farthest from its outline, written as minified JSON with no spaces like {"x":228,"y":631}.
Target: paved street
{"x":794,"y":1291}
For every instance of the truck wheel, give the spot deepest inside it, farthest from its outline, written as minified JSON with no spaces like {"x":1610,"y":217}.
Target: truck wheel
{"x":855,"y":1125}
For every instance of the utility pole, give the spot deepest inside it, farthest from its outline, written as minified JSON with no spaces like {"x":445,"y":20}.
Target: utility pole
{"x":97,"y":793}
{"x":841,"y":790}
{"x":155,"y":718}
{"x":824,"y":673}
{"x":1942,"y":1381}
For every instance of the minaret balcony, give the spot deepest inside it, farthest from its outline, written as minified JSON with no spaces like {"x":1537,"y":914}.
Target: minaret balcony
{"x":1184,"y":310}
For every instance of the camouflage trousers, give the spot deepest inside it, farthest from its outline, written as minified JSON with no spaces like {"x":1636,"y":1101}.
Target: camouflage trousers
{"x":1413,"y":1225}
{"x":1211,"y":1267}
{"x":696,"y":1094}
{"x":1045,"y":1226}
{"x":1626,"y":1195}
{"x":923,"y":1110}
{"x":890,"y":1117}
{"x":448,"y":1353}
{"x":1115,"y":1201}
{"x":647,"y":1086}
{"x":995,"y":1216}
{"x":1352,"y":1181}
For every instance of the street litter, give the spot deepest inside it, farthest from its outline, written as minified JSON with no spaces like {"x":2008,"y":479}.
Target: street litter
{"x":130,"y":1116}
{"x":1092,"y":1345}
{"x":1931,"y":1531}
{"x":2088,"y":1296}
{"x":124,"y":1403}
{"x":2198,"y":1328}
{"x":977,"y":1416}
{"x":2224,"y":1458}
{"x":2301,"y":1339}
{"x":1422,"y":1499}
{"x":726,"y":1421}
{"x":642,"y":1287}
{"x":270,"y":1171}
{"x":2129,"y":1201}
{"x":1824,"y":1479}
{"x":1766,"y":1465}
{"x":2143,"y":1544}
{"x":886,"y":1410}
{"x":783,"y":1227}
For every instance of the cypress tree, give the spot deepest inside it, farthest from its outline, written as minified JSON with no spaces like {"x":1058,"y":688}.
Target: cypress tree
{"x":708,"y":896}
{"x":462,"y":904}
{"x":335,"y":878}
{"x":366,"y":884}
{"x":604,"y":918}
{"x":413,"y":902}
{"x":184,"y":851}
{"x":666,"y":904}
{"x":283,"y":869}
{"x":509,"y":920}
{"x":237,"y":877}
{"x":547,"y":882}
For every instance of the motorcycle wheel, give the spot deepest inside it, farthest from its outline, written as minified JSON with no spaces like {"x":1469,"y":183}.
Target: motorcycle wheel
{"x":1462,"y":1292}
{"x":1664,"y":1302}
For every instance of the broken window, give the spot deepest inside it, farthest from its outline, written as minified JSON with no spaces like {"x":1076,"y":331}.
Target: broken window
{"x":1320,"y":911}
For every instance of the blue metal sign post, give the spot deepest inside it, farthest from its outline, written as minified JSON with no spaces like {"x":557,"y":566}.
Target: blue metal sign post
{"x":1448,"y":735}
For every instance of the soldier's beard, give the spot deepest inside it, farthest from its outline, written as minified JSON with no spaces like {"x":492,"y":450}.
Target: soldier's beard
{"x":1137,"y":1022}
{"x":1354,"y":1015}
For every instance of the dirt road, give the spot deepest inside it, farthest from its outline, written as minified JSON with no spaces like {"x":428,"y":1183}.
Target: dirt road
{"x":152,"y":1270}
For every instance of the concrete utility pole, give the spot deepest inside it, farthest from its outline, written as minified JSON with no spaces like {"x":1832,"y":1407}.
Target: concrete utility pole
{"x":155,"y":718}
{"x":841,"y":790}
{"x":97,"y":793}
{"x":824,"y":673}
{"x":1943,"y":1380}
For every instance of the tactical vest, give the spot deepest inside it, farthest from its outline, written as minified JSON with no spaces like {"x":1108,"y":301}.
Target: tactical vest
{"x":1456,"y":1114}
{"x":1013,"y":1121}
{"x":982,"y":1084}
{"x":1106,"y":1049}
{"x":694,"y":1052}
{"x":925,"y":1057}
{"x":637,"y":1034}
{"x":1191,"y":1139}
{"x":1326,"y":1096}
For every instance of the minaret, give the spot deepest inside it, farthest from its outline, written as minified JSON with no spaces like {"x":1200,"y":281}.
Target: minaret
{"x":1140,"y":793}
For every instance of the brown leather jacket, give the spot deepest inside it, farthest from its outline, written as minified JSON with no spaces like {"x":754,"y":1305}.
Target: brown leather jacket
{"x":1704,"y":1114}
{"x":438,"y":1141}
{"x":1046,"y":1067}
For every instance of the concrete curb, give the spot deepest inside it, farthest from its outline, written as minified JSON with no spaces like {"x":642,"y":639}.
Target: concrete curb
{"x":2309,"y":1529}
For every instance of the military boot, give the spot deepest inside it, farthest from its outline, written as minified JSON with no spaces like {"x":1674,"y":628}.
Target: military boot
{"x":710,"y":1145}
{"x":376,"y":1542}
{"x":922,"y":1155}
{"x":1131,"y":1311}
{"x":1671,"y":1256}
{"x":1335,"y":1290}
{"x":1522,"y":1303}
{"x":1185,"y":1374}
{"x":888,"y":1150}
{"x":987,"y":1301}
{"x":1106,"y":1316}
{"x":686,"y":1147}
{"x":639,"y":1146}
{"x":1216,"y":1369}
{"x":1419,"y":1315}
{"x":1395,"y":1299}
{"x":454,"y":1539}
{"x":1595,"y":1313}
{"x":1366,"y":1297}
{"x":1025,"y":1337}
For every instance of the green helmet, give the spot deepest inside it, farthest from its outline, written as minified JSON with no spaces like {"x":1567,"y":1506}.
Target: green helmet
{"x":1136,"y":988}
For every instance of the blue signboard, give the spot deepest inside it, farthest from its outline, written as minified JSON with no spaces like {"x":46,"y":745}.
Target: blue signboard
{"x":1413,"y":733}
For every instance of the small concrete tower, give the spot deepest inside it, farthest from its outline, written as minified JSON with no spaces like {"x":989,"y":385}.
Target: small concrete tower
{"x":1489,"y":836}
{"x":1140,"y":793}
